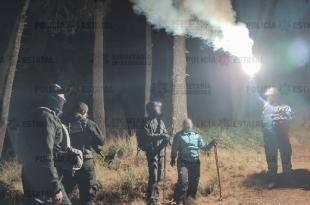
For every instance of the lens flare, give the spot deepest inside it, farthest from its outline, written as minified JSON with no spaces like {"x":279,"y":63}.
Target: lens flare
{"x":299,"y":53}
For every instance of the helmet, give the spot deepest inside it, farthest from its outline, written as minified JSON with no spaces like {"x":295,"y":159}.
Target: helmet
{"x":54,"y":89}
{"x":150,"y":107}
{"x":54,"y":97}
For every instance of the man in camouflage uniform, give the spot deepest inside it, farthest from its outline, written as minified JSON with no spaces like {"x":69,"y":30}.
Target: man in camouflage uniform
{"x":153,"y":140}
{"x":85,"y":136}
{"x":39,"y":144}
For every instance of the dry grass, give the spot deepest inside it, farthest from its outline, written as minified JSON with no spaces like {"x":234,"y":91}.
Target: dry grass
{"x":10,"y":175}
{"x":10,"y":183}
{"x":124,"y":181}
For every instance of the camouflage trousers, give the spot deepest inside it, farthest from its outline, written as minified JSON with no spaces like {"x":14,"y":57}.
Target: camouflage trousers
{"x":155,"y":167}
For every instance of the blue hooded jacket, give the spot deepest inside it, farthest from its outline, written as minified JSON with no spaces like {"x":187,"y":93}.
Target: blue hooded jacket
{"x":186,"y":144}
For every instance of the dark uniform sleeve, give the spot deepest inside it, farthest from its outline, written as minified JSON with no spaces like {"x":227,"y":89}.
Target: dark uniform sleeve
{"x":97,"y":138}
{"x":45,"y":136}
{"x":175,"y":146}
{"x":165,"y":134}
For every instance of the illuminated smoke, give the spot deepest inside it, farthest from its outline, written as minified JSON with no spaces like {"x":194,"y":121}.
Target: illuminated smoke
{"x":210,"y":20}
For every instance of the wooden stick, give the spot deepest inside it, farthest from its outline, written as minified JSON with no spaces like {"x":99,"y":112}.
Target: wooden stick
{"x":218,"y":171}
{"x":164,"y":182}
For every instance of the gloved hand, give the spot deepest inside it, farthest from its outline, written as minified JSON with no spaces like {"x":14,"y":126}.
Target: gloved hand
{"x":172,"y":162}
{"x":213,"y":143}
{"x":165,"y":136}
{"x":167,"y":139}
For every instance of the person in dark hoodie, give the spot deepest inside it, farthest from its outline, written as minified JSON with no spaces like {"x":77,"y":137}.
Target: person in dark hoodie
{"x":37,"y":146}
{"x":152,"y":139}
{"x":85,"y":136}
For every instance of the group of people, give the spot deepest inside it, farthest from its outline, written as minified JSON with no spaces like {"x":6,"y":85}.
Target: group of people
{"x":153,"y":139}
{"x":56,"y":150}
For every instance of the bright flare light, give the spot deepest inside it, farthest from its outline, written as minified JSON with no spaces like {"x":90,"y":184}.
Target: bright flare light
{"x":236,"y":40}
{"x":251,"y":68}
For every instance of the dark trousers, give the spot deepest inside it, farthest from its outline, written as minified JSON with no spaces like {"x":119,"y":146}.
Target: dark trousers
{"x":188,"y":180}
{"x":155,"y":167}
{"x":272,"y":143}
{"x":34,"y":194}
{"x":85,"y":180}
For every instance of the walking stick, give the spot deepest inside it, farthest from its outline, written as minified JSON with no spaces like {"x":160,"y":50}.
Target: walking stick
{"x":218,"y":171}
{"x":164,"y":182}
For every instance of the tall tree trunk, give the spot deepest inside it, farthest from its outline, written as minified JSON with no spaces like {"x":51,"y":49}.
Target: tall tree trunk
{"x":98,"y":67}
{"x":148,"y":66}
{"x":8,"y":68}
{"x":179,"y":95}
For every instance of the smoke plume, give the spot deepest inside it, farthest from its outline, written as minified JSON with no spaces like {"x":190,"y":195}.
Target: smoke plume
{"x":210,"y":20}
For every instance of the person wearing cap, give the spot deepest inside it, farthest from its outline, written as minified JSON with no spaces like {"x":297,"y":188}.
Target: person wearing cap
{"x":38,"y":144}
{"x":86,"y":136}
{"x":155,"y":138}
{"x":275,"y":124}
{"x":185,"y":146}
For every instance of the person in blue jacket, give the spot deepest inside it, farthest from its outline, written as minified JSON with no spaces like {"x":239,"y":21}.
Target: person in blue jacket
{"x":186,"y":145}
{"x":275,"y":125}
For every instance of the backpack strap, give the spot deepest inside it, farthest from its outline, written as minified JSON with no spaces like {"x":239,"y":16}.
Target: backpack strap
{"x":66,"y":135}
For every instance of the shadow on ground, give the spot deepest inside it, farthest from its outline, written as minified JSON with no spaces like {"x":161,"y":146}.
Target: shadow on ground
{"x":300,"y":179}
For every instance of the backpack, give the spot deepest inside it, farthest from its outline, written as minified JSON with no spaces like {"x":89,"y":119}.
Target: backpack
{"x":72,"y":158}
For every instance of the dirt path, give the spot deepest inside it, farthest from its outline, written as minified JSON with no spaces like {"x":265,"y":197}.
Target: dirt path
{"x":249,"y":187}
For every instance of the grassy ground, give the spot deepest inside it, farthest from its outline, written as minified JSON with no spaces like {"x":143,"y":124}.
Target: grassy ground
{"x":124,"y":180}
